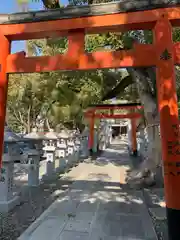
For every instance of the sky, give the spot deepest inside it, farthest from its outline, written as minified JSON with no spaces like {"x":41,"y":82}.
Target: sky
{"x":10,"y":6}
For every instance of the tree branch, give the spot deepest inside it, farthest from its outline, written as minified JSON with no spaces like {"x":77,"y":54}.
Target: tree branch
{"x":18,"y":118}
{"x":125,"y":82}
{"x":51,"y":4}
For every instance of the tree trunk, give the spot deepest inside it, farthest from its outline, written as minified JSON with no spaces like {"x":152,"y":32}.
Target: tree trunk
{"x":29,"y":120}
{"x":47,"y":124}
{"x":147,"y":171}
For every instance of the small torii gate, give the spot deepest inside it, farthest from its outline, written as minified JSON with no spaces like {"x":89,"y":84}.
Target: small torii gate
{"x":92,"y":115}
{"x":75,"y":23}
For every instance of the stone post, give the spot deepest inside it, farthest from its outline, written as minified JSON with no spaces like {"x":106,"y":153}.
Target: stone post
{"x":84,"y":152}
{"x":77,"y":148}
{"x":51,"y":136}
{"x":70,"y":152}
{"x":50,"y":149}
{"x":50,"y":162}
{"x":33,"y":168}
{"x":84,"y":146}
{"x":35,"y":140}
{"x":8,"y":200}
{"x":61,"y":154}
{"x":63,"y":142}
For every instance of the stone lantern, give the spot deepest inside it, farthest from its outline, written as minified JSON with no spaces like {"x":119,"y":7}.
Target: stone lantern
{"x":8,"y":199}
{"x":50,"y":149}
{"x":36,"y":138}
{"x":34,"y":152}
{"x":77,"y":146}
{"x":71,"y":150}
{"x":62,"y":141}
{"x":62,"y":149}
{"x":51,"y":138}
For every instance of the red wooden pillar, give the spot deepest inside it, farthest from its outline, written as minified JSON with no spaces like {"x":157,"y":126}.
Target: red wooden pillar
{"x":133,"y":137}
{"x":91,"y":132}
{"x":169,"y":124}
{"x":5,"y":51}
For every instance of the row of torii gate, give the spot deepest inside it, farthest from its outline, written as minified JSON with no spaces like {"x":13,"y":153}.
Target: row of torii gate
{"x":163,"y":54}
{"x":109,"y":109}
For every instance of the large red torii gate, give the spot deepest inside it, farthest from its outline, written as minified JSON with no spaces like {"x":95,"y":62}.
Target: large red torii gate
{"x":163,"y":54}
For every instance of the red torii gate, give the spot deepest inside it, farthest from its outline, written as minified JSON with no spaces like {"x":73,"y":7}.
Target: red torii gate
{"x":163,"y":54}
{"x":91,"y":114}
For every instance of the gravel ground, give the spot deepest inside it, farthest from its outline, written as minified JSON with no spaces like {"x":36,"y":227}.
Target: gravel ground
{"x":34,"y":202}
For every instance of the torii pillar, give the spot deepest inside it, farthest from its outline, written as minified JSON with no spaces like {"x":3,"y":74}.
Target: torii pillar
{"x":91,"y":133}
{"x":133,"y":137}
{"x":169,"y":122}
{"x":5,"y":51}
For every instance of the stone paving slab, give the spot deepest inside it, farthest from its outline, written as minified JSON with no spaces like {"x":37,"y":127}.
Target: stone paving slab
{"x":158,"y":213}
{"x":79,"y":225}
{"x":120,"y":227}
{"x":90,"y":211}
{"x":74,"y":235}
{"x":155,"y":197}
{"x":50,"y":228}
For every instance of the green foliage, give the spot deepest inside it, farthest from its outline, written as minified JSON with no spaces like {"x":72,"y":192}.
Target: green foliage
{"x":108,"y":41}
{"x":61,"y":97}
{"x":176,"y":34}
{"x":25,"y":99}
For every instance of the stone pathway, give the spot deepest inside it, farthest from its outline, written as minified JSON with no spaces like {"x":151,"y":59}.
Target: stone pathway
{"x":97,"y":206}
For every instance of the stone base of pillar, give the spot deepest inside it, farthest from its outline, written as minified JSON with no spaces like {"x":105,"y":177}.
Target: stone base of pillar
{"x":33,"y":176}
{"x":61,"y":166}
{"x":46,"y":178}
{"x":135,"y":153}
{"x":50,"y":172}
{"x":77,"y":156}
{"x":70,"y":161}
{"x":6,"y":206}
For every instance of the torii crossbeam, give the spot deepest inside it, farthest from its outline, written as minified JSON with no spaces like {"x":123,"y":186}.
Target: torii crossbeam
{"x":163,"y":54}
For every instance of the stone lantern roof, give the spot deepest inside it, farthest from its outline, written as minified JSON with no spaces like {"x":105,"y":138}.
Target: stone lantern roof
{"x":63,"y":134}
{"x":34,"y":135}
{"x":10,"y":136}
{"x":51,"y":135}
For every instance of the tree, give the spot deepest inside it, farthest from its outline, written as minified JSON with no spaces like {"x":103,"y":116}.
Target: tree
{"x":25,"y":100}
{"x":56,"y":97}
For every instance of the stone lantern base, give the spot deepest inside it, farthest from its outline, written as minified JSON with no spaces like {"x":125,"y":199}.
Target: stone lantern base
{"x":6,"y":206}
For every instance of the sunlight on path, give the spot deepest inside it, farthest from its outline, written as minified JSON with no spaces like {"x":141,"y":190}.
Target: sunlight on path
{"x":95,"y":207}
